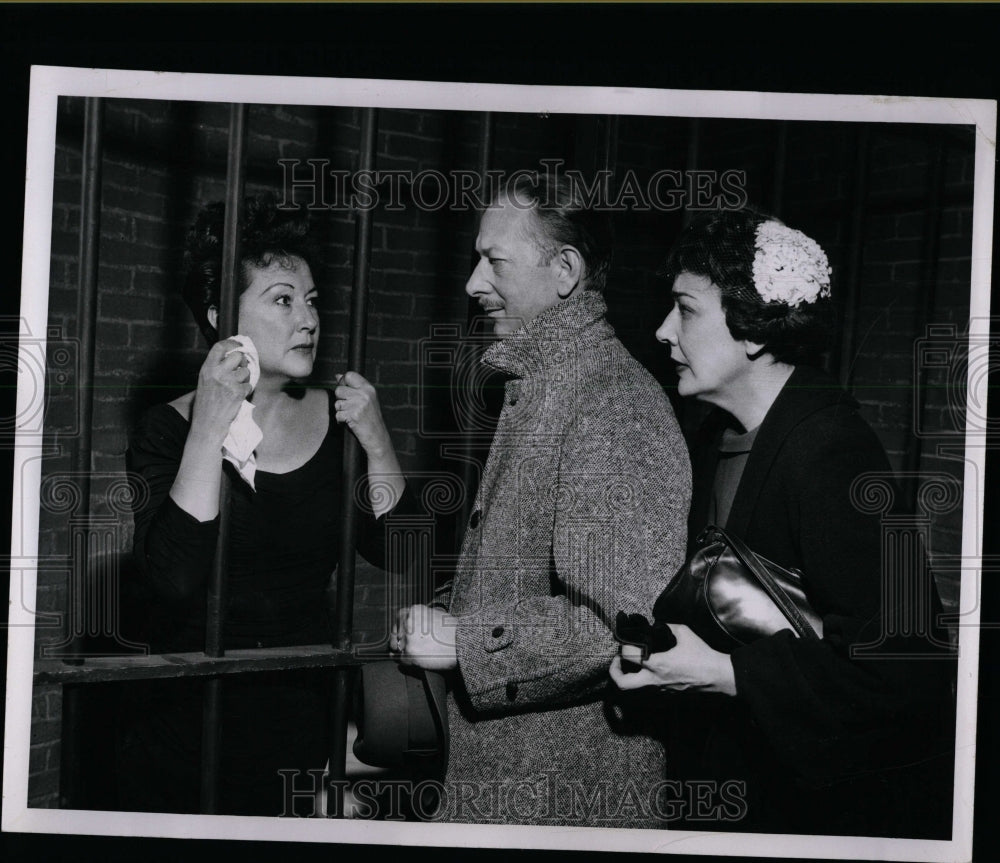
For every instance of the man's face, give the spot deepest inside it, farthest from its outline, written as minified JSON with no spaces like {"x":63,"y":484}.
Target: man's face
{"x":513,"y":282}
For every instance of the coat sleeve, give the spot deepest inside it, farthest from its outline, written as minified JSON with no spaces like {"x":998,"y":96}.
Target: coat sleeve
{"x":617,"y":536}
{"x":173,"y":550}
{"x":829,"y":709}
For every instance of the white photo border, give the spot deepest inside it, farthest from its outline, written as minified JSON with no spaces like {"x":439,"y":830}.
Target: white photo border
{"x":48,"y":83}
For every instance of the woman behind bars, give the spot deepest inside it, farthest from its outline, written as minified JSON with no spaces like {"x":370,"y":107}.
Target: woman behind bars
{"x":285,"y":506}
{"x":798,"y":736}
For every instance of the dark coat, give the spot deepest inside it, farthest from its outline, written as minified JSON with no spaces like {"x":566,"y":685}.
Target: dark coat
{"x":828,"y":740}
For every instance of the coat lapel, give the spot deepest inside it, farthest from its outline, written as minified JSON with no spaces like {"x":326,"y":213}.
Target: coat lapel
{"x":806,"y":391}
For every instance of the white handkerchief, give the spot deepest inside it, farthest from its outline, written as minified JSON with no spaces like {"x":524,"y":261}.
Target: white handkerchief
{"x":244,"y":434}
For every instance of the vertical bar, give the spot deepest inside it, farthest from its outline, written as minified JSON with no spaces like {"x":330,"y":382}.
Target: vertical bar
{"x":211,"y":729}
{"x":856,"y":258}
{"x":228,"y":323}
{"x":609,"y":153}
{"x":86,"y":315}
{"x":486,"y":130}
{"x":344,"y":611}
{"x":928,"y":284}
{"x":356,"y":362}
{"x":780,"y":157}
{"x":694,"y":144}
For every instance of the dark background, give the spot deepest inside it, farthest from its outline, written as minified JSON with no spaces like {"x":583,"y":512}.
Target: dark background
{"x":899,"y":49}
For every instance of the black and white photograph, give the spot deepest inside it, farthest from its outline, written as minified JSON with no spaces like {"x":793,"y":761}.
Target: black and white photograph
{"x":456,"y":464}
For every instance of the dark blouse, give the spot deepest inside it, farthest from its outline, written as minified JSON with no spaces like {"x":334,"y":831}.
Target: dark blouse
{"x":283,"y":551}
{"x":734,"y":448}
{"x":284,"y":544}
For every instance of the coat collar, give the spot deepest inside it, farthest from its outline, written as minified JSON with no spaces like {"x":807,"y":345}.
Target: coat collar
{"x":806,"y":391}
{"x":534,"y":345}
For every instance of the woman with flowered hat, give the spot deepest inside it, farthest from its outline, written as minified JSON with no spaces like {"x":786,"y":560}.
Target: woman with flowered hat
{"x":789,"y":734}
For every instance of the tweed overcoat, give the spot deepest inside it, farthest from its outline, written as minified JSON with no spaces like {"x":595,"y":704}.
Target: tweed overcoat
{"x":580,"y":512}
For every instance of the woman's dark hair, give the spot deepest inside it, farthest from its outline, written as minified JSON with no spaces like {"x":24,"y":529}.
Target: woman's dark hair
{"x":567,"y":217}
{"x":721,"y":247}
{"x":268,"y":234}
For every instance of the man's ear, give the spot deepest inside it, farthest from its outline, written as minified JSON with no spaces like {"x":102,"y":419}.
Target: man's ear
{"x":571,"y":270}
{"x":213,"y":317}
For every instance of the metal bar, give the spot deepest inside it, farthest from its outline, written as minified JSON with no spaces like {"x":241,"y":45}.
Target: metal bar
{"x":344,"y":610}
{"x":780,"y":158}
{"x":925,"y":311}
{"x":86,"y":315}
{"x":343,"y":679}
{"x":163,"y":666}
{"x":215,"y":612}
{"x":609,"y":154}
{"x":693,"y":155}
{"x":886,"y":202}
{"x":228,"y":323}
{"x":845,"y":359}
{"x":487,"y":126}
{"x":211,"y":745}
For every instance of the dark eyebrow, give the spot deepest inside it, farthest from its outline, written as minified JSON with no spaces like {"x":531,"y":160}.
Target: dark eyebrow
{"x":678,"y":294}
{"x":274,"y":285}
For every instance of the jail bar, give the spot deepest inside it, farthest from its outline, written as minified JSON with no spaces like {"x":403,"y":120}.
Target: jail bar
{"x":929,"y":265}
{"x":86,"y":315}
{"x":215,"y":615}
{"x":344,"y":610}
{"x":852,"y":284}
{"x":780,"y":158}
{"x":487,"y":125}
{"x":609,"y":154}
{"x":691,"y":163}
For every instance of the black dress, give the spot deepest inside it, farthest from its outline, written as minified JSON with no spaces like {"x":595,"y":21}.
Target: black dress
{"x":284,"y":548}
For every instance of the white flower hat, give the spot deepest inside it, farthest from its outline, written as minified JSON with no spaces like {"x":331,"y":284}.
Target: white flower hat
{"x":788,"y":266}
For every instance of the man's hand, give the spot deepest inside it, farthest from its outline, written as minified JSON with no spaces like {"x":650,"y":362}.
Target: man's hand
{"x":425,"y":637}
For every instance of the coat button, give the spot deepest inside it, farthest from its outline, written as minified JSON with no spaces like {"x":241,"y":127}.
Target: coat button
{"x":512,"y":691}
{"x":497,"y":631}
{"x":474,"y":519}
{"x":512,"y":401}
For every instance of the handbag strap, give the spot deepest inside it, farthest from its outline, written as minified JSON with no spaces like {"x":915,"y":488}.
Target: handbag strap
{"x":774,"y":590}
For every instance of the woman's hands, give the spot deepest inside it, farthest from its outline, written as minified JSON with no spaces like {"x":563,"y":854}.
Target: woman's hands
{"x":223,"y":385}
{"x":356,"y":404}
{"x":425,"y":637}
{"x":691,"y":664}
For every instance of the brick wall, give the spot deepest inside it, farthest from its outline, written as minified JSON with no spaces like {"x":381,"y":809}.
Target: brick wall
{"x":164,"y":160}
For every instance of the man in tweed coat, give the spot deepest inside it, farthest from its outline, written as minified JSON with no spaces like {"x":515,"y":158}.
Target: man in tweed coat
{"x":580,"y":513}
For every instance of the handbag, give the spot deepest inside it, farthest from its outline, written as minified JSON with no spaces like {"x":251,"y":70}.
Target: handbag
{"x":402,"y":717}
{"x":729,"y":596}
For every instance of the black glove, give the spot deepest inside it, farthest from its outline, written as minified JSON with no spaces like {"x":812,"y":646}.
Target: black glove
{"x":635,"y":630}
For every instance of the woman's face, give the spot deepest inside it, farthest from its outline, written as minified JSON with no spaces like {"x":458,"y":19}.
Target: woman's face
{"x":711,"y":364}
{"x":278,"y":313}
